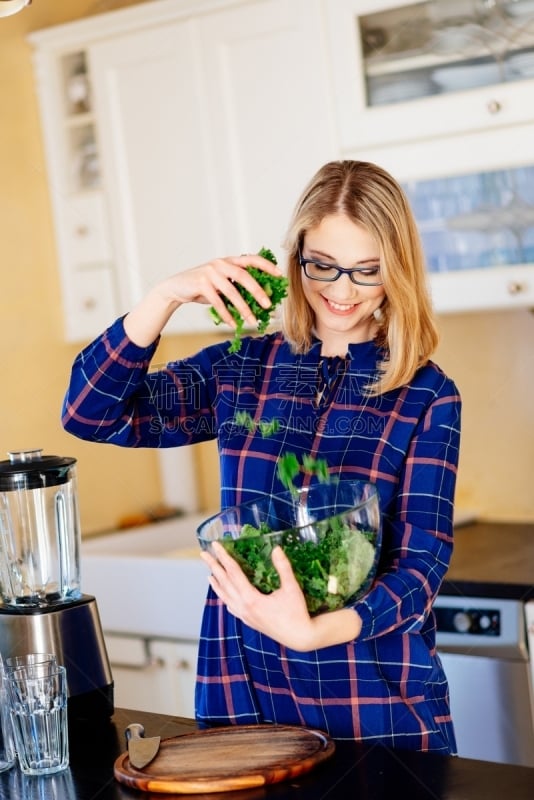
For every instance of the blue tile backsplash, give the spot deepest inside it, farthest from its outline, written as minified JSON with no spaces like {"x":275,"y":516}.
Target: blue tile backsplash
{"x":485,"y":219}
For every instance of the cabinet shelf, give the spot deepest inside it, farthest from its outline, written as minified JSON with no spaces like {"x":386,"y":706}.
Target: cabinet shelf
{"x":423,"y":61}
{"x":79,"y":120}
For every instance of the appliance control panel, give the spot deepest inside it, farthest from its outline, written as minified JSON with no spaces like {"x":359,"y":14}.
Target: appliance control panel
{"x":482,"y":626}
{"x":472,"y":621}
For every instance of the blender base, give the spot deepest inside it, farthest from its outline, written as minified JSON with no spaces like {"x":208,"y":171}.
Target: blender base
{"x":72,"y":631}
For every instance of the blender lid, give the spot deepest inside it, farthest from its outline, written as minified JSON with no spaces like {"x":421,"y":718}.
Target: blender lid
{"x":29,"y":469}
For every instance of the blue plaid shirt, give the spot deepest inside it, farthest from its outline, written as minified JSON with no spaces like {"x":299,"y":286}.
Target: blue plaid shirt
{"x":388,"y":685}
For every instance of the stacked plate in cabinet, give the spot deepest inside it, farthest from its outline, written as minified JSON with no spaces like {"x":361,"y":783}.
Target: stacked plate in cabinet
{"x":455,"y":78}
{"x":399,"y":88}
{"x":520,"y":66}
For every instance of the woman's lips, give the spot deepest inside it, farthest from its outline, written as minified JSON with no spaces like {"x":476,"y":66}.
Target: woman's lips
{"x":342,"y":309}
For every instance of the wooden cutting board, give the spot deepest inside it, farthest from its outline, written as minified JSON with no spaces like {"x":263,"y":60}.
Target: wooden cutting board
{"x":228,"y":758}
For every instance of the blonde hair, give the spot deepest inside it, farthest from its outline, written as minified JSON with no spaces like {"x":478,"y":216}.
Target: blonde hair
{"x":370,"y":197}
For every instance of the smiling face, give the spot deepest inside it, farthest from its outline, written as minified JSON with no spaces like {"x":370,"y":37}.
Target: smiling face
{"x":343,"y":310}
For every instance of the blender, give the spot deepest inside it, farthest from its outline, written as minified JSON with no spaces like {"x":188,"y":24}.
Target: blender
{"x":42,"y":608}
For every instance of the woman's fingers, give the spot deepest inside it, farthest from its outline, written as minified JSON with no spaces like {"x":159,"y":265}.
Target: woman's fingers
{"x":282,"y":565}
{"x":227,"y":578}
{"x":229,"y":272}
{"x":217,"y":283}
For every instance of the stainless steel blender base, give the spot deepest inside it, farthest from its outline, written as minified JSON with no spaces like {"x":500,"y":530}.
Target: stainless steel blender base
{"x":72,"y":632}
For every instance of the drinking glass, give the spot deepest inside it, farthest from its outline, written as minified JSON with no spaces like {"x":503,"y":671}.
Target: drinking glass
{"x":12,"y":663}
{"x":7,"y":749}
{"x":37,"y":697}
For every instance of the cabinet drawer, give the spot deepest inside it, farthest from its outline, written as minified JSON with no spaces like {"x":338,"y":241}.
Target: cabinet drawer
{"x":128,"y":651}
{"x":156,"y":675}
{"x":87,"y":237}
{"x":476,"y":290}
{"x":90,"y":302}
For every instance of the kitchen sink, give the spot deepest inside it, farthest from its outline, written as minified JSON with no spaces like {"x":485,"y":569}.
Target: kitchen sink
{"x":149,"y":580}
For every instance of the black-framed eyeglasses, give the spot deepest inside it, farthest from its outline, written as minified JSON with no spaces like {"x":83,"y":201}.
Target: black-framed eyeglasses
{"x":317,"y":271}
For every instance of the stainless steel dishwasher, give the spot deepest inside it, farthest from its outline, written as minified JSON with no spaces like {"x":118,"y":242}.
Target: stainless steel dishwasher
{"x":484,"y":647}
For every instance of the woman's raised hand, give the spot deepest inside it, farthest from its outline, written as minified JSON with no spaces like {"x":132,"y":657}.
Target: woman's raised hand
{"x":207,"y":284}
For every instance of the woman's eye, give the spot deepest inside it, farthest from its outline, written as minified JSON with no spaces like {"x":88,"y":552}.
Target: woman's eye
{"x":323,"y":267}
{"x":370,"y":272}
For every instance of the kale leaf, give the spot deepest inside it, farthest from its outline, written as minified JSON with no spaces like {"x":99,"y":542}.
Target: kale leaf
{"x":274,"y":286}
{"x":244,"y":419}
{"x":288,"y":468}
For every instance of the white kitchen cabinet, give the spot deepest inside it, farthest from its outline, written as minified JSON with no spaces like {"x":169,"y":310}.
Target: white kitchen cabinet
{"x":159,"y":174}
{"x":409,"y":71}
{"x":207,"y":120}
{"x":473,"y":197}
{"x":152,"y":674}
{"x":212,"y":160}
{"x":267,"y":77}
{"x":83,"y":237}
{"x":204,"y":120}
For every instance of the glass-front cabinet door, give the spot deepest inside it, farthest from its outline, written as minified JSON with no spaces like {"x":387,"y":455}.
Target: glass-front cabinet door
{"x":473,"y":200}
{"x":405,"y":71}
{"x":479,"y":225}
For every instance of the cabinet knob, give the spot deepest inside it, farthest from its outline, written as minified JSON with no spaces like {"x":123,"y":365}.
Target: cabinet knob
{"x":494,"y":107}
{"x":183,"y":663}
{"x":515,"y":287}
{"x":89,"y":304}
{"x":81,"y":230}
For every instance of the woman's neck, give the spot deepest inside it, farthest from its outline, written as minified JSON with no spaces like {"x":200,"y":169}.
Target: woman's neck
{"x":333,"y":344}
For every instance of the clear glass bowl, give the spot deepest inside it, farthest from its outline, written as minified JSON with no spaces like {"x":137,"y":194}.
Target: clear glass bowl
{"x":330,"y":532}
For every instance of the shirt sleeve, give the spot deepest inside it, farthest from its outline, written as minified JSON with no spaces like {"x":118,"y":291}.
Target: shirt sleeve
{"x":418,"y":530}
{"x":113,"y":398}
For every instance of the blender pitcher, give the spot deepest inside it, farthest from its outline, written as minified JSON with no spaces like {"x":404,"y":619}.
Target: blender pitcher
{"x":39,"y":530}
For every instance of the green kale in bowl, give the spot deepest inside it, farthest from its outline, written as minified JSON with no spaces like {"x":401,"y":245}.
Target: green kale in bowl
{"x":331,"y":534}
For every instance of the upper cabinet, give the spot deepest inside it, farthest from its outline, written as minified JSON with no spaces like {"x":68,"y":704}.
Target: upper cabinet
{"x":201,"y":125}
{"x":179,"y":130}
{"x":409,"y":71}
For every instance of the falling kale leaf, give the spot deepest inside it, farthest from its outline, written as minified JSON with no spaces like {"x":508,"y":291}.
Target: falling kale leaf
{"x":288,"y":466}
{"x":243,"y":419}
{"x":274,"y":286}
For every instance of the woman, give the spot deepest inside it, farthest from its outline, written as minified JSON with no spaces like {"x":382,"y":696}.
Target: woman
{"x":349,"y":380}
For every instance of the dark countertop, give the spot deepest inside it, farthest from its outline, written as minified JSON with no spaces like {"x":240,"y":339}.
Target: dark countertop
{"x":492,"y":559}
{"x":354,"y":771}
